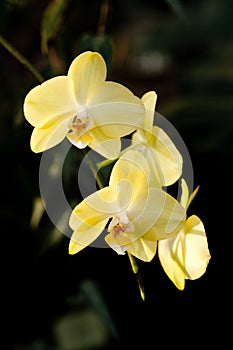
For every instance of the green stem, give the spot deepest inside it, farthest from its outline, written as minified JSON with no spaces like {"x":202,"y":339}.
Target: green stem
{"x":137,"y":275}
{"x":19,"y":57}
{"x":133,"y":263}
{"x":94,"y":169}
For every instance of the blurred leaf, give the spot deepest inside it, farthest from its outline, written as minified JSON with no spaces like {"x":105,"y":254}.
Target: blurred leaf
{"x":177,"y":7}
{"x":101,"y":43}
{"x":49,"y":239}
{"x":105,"y":171}
{"x":17,"y":3}
{"x":37,"y":212}
{"x":92,"y":293}
{"x":51,"y":21}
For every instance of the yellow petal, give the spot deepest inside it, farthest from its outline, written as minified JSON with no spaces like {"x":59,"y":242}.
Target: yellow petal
{"x":112,"y":92}
{"x":149,"y":100}
{"x":171,"y":253}
{"x":89,"y":218}
{"x":192,"y":196}
{"x":143,"y":248}
{"x":153,"y":214}
{"x":166,"y":153}
{"x":185,"y":198}
{"x":85,"y":235}
{"x":81,"y":141}
{"x":156,"y":173}
{"x":158,"y":213}
{"x":184,"y":194}
{"x":107,"y":147}
{"x":186,"y":255}
{"x":156,"y":178}
{"x":197,"y":253}
{"x":95,"y":208}
{"x":160,"y":150}
{"x":116,"y":109}
{"x":133,"y":169}
{"x":44,"y":139}
{"x":50,"y":102}
{"x":88,"y":72}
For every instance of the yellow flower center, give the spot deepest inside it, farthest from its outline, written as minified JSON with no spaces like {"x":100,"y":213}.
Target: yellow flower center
{"x":81,"y":123}
{"x":121,"y":224}
{"x":121,"y":227}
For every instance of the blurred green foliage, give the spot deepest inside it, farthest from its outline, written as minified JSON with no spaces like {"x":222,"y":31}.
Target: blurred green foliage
{"x":51,"y":21}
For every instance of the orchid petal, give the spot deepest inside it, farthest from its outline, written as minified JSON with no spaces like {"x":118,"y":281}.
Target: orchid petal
{"x":197,"y":253}
{"x":88,"y":72}
{"x":112,"y":92}
{"x":171,"y":253}
{"x":149,"y":100}
{"x":157,"y":212}
{"x":184,"y":194}
{"x":192,"y":196}
{"x":80,"y":141}
{"x":50,"y":102}
{"x":95,"y":208}
{"x":107,"y":147}
{"x":85,"y":235}
{"x":143,"y":248}
{"x":98,"y":141}
{"x":133,"y":169}
{"x":185,"y":199}
{"x":156,"y":173}
{"x":116,"y":109}
{"x":89,"y":217}
{"x":44,"y":139}
{"x":186,"y":255}
{"x":160,"y":151}
{"x":169,"y":157}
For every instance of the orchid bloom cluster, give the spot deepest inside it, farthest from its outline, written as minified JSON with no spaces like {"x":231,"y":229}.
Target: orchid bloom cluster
{"x":133,"y":210}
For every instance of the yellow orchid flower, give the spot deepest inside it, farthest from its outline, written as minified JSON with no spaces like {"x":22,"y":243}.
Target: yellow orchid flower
{"x":186,"y":255}
{"x":83,"y":107}
{"x":164,"y":158}
{"x":140,"y":215}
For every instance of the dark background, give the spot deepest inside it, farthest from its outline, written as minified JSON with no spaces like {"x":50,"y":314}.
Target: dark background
{"x":184,"y":51}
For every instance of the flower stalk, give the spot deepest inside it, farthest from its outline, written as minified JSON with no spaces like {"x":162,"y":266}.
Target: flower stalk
{"x":137,"y":275}
{"x":19,"y":57}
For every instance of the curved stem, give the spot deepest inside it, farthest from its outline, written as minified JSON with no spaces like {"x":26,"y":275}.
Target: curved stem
{"x":94,"y":169}
{"x":19,"y":57}
{"x":137,"y":275}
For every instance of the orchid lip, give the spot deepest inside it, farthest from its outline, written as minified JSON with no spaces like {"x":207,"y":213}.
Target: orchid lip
{"x":121,"y":224}
{"x":81,"y":123}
